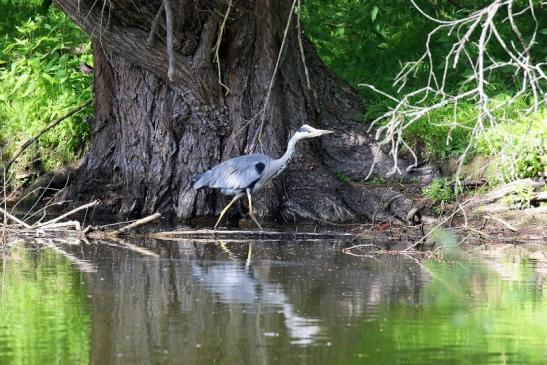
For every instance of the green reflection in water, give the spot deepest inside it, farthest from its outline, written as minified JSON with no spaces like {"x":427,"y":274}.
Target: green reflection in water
{"x":468,"y":314}
{"x":44,"y":317}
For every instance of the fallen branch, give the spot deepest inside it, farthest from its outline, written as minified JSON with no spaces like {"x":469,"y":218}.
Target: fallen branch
{"x":510,"y":227}
{"x":230,"y":233}
{"x":54,"y":226}
{"x":55,"y":220}
{"x":539,"y":198}
{"x":136,"y":224}
{"x":24,"y":146}
{"x":506,"y":189}
{"x":14,"y":218}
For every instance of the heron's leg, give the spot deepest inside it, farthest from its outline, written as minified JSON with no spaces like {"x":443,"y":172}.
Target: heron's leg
{"x":251,"y":209}
{"x":227,"y":207}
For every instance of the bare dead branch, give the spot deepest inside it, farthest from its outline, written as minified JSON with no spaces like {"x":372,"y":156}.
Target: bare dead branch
{"x":57,"y":219}
{"x":136,"y":224}
{"x":10,"y":216}
{"x":272,"y":80}
{"x":217,"y":46}
{"x":474,"y":35}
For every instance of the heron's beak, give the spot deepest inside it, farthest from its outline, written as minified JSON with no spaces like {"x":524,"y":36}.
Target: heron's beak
{"x":321,"y":132}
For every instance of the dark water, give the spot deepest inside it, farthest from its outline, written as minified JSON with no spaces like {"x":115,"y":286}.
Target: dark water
{"x":265,"y":303}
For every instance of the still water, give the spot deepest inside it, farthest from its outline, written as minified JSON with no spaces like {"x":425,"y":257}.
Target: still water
{"x":187,"y":302}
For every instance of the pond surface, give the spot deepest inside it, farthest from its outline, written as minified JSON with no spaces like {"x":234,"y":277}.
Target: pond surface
{"x":187,"y":302}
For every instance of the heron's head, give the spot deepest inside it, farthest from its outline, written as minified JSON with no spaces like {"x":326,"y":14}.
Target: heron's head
{"x":307,"y":131}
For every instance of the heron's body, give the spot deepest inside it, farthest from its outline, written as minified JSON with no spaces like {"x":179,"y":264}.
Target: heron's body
{"x":248,"y":174}
{"x":238,"y":174}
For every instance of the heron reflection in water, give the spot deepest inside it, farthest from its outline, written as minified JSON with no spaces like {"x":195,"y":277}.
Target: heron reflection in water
{"x":235,"y":282}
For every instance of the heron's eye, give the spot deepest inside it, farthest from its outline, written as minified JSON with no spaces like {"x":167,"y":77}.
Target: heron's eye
{"x":304,"y":130}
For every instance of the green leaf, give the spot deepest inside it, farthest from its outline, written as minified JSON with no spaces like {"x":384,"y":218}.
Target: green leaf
{"x":374,"y":13}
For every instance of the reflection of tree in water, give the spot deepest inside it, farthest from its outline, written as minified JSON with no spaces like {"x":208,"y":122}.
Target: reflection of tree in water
{"x":202,"y":302}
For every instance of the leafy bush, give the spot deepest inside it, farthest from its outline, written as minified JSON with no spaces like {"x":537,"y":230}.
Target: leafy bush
{"x":40,"y":80}
{"x":521,"y":198}
{"x":440,"y":190}
{"x":519,"y":147}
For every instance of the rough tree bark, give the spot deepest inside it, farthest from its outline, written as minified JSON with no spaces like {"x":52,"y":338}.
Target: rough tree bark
{"x":151,"y":134}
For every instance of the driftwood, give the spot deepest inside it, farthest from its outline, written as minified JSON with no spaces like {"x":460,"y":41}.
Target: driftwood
{"x":136,"y":224}
{"x":75,"y":210}
{"x":504,"y":190}
{"x":540,"y":197}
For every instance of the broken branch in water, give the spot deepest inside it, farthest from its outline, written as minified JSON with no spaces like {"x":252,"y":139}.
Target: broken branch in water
{"x":55,"y":220}
{"x":136,"y":224}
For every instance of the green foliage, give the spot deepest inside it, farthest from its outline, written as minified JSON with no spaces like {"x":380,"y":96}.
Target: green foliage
{"x":518,"y":146}
{"x":440,"y":190}
{"x":375,"y":180}
{"x":44,"y":310}
{"x":368,"y":41}
{"x":521,"y":198}
{"x":343,"y":177}
{"x":365,"y":41}
{"x":39,"y":77}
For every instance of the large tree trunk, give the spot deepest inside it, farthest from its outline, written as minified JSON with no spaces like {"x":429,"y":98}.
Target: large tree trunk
{"x":150,"y":135}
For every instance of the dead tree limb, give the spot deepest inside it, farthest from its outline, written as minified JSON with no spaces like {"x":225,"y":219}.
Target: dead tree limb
{"x":55,"y":220}
{"x":14,"y":218}
{"x":136,"y":224}
{"x":56,"y":122}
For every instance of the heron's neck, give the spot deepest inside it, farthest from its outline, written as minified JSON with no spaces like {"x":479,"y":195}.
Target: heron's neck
{"x":281,"y":162}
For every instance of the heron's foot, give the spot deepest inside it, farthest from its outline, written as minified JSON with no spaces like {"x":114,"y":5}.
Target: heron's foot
{"x":251,"y":214}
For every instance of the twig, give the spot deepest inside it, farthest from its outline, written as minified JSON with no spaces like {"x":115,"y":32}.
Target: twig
{"x":474,"y":34}
{"x":301,"y":45}
{"x":22,"y":148}
{"x":13,"y":218}
{"x":154,"y":26}
{"x":75,"y":224}
{"x":272,"y":80}
{"x":510,"y":227}
{"x":169,"y":30}
{"x":217,"y":46}
{"x":136,"y":224}
{"x":85,"y":206}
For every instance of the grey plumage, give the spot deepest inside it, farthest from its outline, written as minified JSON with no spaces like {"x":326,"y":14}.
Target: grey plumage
{"x":235,"y":175}
{"x":248,"y":174}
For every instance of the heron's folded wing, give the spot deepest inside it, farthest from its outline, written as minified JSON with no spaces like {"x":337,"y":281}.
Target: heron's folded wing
{"x":238,"y":173}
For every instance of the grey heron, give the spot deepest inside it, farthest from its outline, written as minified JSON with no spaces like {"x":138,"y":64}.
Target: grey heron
{"x":248,"y":174}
